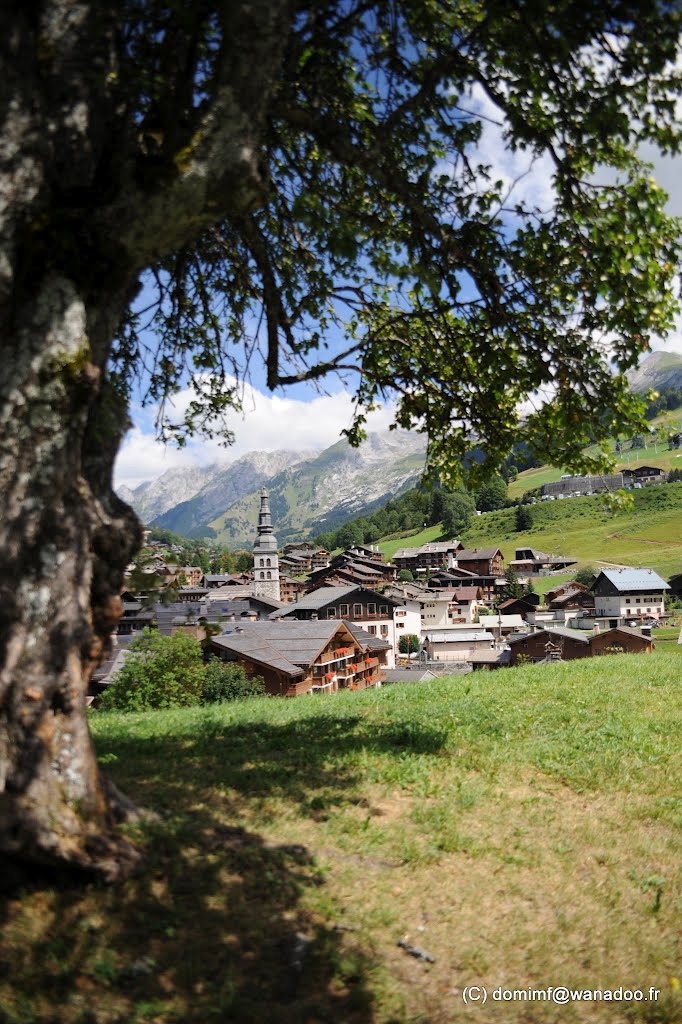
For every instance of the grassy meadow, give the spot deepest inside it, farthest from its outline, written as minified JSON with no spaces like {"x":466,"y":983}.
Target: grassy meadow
{"x":520,"y":827}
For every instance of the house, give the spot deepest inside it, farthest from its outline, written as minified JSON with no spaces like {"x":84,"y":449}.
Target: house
{"x":563,"y":588}
{"x":489,"y":584}
{"x":621,"y":640}
{"x":531,"y":561}
{"x":501,"y":625}
{"x":410,"y":674}
{"x":211,"y":580}
{"x":564,"y":644}
{"x":644,"y":475}
{"x":572,"y":599}
{"x":624,"y":596}
{"x":135,"y":616}
{"x":192,"y":573}
{"x":447,"y":606}
{"x":456,"y":645}
{"x":522,"y":606}
{"x":381,"y":616}
{"x":290,"y":589}
{"x":557,"y":644}
{"x":297,"y":657}
{"x":428,"y":556}
{"x":484,"y":561}
{"x":239,"y":602}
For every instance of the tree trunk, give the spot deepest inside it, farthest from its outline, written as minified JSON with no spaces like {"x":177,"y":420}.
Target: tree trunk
{"x":66,"y":540}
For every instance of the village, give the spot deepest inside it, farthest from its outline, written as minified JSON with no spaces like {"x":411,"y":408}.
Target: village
{"x":309,"y":622}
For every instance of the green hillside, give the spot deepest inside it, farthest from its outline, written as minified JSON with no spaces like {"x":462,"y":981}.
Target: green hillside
{"x":649,"y":535}
{"x":521,"y":827}
{"x":656,"y":454}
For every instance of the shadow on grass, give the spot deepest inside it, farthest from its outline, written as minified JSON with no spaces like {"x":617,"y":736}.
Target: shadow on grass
{"x":214,"y":928}
{"x":311,"y":762}
{"x":211,"y":930}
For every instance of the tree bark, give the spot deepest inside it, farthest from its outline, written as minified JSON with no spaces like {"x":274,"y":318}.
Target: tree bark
{"x":66,"y":540}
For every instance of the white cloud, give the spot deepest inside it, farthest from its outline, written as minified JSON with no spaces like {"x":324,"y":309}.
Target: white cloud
{"x":268,"y":423}
{"x":527,"y":178}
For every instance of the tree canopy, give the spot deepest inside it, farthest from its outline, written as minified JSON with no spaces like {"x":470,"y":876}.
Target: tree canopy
{"x":189,"y":190}
{"x":383,"y":240}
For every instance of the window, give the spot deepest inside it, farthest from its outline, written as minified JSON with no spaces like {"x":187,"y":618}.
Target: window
{"x":627,"y":600}
{"x":400,"y":625}
{"x":262,"y":562}
{"x":268,"y":562}
{"x":343,"y":610}
{"x":384,"y":630}
{"x":383,"y":609}
{"x":371,"y":609}
{"x":372,"y":630}
{"x":331,"y":613}
{"x":262,"y":575}
{"x":357,"y":610}
{"x":269,"y":575}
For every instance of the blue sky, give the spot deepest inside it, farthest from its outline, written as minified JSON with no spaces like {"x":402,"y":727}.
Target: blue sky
{"x":302,"y":418}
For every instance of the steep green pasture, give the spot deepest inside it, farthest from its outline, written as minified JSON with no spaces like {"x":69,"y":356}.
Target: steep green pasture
{"x":520,"y":828}
{"x":649,"y":535}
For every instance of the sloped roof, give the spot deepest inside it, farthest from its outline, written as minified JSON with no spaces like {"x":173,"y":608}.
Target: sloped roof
{"x":513,"y":621}
{"x":471,"y":554}
{"x":634,"y":579}
{"x":368,"y":640}
{"x":320,"y":598}
{"x":290,"y":646}
{"x":443,"y":636}
{"x":570,"y":634}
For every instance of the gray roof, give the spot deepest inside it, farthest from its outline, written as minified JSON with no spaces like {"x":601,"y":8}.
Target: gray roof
{"x":471,"y":554}
{"x":320,"y":598}
{"x":408,"y":675}
{"x":570,"y":634}
{"x":290,"y":646}
{"x":441,"y":636}
{"x":634,"y":579}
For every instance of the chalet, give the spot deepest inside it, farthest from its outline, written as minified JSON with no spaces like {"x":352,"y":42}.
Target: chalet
{"x":192,"y":573}
{"x":644,"y":475}
{"x":302,"y":559}
{"x":519,"y":606}
{"x":484,"y":561}
{"x":193,"y":594}
{"x":530,"y":561}
{"x":447,"y":606}
{"x":502,"y":625}
{"x":621,"y":640}
{"x":240,"y":602}
{"x":211,"y":580}
{"x":428,"y":556}
{"x":296,"y":657}
{"x":622,"y":596}
{"x":135,"y":615}
{"x":490,"y":585}
{"x":290,"y":589}
{"x":557,"y":644}
{"x":381,"y":616}
{"x":573,"y":599}
{"x":563,"y":588}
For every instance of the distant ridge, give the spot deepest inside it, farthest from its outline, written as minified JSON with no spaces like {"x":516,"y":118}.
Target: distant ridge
{"x":658,"y":370}
{"x":309,"y":492}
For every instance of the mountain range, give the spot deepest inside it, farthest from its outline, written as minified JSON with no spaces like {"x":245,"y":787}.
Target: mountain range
{"x":309,"y":491}
{"x":657,"y":371}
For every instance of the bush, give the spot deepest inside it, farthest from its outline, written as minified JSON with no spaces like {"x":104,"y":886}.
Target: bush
{"x":229,"y":681}
{"x":409,"y":643}
{"x":160,"y":672}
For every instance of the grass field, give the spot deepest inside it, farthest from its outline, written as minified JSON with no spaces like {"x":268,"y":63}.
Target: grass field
{"x":522,"y":827}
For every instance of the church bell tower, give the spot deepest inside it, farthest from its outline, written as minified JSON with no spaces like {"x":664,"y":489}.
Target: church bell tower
{"x":265,"y":558}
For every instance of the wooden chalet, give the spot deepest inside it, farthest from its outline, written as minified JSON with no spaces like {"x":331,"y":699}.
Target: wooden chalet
{"x":297,"y":657}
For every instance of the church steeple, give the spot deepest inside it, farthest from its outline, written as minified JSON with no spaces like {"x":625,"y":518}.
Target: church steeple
{"x":265,"y":558}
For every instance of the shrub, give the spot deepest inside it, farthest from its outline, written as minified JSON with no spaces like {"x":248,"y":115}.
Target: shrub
{"x":229,"y":681}
{"x":160,"y":672}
